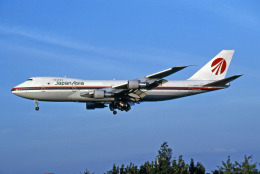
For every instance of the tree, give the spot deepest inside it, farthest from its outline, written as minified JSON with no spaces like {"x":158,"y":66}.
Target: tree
{"x":246,"y":166}
{"x":115,"y":170}
{"x":163,"y":160}
{"x":132,"y":169}
{"x":200,"y":169}
{"x":192,"y":168}
{"x":227,"y":167}
{"x":164,"y":154}
{"x":86,"y":172}
{"x":217,"y":172}
{"x":164,"y":165}
{"x":122,"y":169}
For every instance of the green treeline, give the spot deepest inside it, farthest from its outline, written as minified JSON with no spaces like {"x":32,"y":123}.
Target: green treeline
{"x":164,"y":164}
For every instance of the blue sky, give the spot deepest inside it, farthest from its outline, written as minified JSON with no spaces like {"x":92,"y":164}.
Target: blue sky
{"x":126,"y":40}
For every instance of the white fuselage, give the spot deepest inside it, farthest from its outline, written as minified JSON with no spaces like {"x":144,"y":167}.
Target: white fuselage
{"x":69,"y":89}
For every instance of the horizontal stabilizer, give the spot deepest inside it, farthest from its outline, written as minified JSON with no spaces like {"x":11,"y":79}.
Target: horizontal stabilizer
{"x":223,"y":82}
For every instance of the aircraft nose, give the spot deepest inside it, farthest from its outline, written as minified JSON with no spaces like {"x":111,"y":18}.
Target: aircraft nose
{"x":14,"y":89}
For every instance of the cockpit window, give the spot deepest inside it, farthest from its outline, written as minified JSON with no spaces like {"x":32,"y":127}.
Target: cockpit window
{"x":29,"y":79}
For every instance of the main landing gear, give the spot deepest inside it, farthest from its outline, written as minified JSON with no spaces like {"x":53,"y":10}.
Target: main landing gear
{"x":122,"y":106}
{"x":36,"y":103}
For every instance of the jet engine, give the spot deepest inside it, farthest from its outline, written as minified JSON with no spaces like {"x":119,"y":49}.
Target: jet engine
{"x":135,"y":84}
{"x":99,"y":94}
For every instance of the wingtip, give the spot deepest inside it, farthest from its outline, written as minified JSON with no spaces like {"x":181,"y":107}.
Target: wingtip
{"x":180,"y":67}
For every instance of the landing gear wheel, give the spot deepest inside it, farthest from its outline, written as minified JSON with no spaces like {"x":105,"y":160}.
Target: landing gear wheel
{"x":114,"y":112}
{"x":36,"y":103}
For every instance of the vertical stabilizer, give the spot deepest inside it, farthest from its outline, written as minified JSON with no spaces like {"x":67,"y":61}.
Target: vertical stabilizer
{"x":216,"y":68}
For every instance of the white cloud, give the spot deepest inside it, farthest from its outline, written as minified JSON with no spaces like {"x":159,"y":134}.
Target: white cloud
{"x":91,"y":57}
{"x":221,"y":150}
{"x":156,"y":55}
{"x":63,"y":42}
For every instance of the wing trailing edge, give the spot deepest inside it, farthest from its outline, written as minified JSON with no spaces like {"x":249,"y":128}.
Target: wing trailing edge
{"x":155,"y":78}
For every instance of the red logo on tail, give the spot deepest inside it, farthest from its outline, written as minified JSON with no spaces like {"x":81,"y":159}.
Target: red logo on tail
{"x":219,"y":66}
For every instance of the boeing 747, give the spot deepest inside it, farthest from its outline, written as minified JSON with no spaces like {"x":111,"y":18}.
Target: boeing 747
{"x":121,"y":94}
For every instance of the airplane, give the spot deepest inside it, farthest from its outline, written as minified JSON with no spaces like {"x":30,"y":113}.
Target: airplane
{"x":122,"y":94}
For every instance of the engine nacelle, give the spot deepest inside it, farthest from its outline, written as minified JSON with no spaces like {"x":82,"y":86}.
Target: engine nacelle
{"x":135,"y":84}
{"x":95,"y":105}
{"x":99,"y":94}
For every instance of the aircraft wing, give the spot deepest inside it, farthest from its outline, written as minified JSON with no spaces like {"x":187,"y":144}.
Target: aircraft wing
{"x":134,"y":90}
{"x":128,"y":92}
{"x":154,"y":77}
{"x":165,"y":73}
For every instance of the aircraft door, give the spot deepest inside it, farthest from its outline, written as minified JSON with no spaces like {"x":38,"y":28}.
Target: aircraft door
{"x":74,"y":88}
{"x":194,"y":89}
{"x":43,"y":88}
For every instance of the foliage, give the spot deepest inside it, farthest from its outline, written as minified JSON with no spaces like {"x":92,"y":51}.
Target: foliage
{"x":86,"y":172}
{"x":245,"y":167}
{"x":164,"y":164}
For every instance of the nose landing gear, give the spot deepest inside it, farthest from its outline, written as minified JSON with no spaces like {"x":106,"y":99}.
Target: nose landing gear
{"x":36,"y":103}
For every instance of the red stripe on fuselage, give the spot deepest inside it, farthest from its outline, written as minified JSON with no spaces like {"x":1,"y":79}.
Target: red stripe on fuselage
{"x":188,"y":88}
{"x":100,"y":87}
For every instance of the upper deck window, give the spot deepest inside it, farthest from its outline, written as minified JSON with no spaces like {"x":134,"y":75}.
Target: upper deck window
{"x":29,"y":79}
